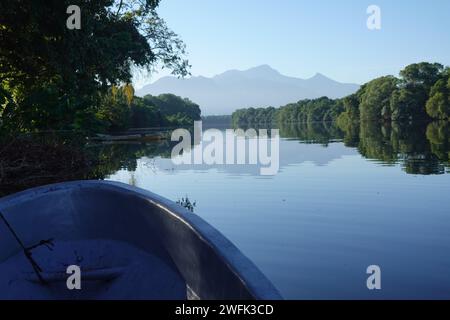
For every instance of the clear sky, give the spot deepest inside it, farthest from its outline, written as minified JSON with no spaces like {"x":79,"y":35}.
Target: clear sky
{"x":302,"y":37}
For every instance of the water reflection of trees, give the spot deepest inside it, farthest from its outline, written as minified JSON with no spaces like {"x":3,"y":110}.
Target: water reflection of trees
{"x":312,"y":132}
{"x":420,"y":148}
{"x":35,"y":160}
{"x":110,"y":158}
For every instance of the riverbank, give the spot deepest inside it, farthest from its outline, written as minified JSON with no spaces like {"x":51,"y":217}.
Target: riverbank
{"x":27,"y":161}
{"x":31,"y":160}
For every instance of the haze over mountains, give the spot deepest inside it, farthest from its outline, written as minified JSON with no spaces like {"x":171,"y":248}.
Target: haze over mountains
{"x":261,"y":86}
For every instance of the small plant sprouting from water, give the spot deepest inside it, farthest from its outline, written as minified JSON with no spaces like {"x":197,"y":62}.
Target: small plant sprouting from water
{"x":186,"y":203}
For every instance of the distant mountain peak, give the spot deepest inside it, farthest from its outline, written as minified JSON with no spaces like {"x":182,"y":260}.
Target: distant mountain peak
{"x":262,"y":70}
{"x":263,"y":67}
{"x":260,"y":86}
{"x":320,"y":76}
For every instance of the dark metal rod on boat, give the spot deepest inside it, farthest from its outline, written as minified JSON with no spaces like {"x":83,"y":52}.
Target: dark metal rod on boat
{"x":26,"y":251}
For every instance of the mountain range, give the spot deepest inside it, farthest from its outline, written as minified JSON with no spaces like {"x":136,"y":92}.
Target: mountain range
{"x":260,"y":86}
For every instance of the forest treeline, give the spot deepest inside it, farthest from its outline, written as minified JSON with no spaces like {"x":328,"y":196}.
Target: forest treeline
{"x":53,"y":78}
{"x":119,"y":113}
{"x":421,"y":92}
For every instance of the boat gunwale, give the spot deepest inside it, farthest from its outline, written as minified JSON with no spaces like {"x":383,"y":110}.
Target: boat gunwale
{"x":256,"y":283}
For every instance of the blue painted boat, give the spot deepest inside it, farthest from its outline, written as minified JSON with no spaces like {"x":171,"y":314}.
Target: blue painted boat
{"x":128,"y":243}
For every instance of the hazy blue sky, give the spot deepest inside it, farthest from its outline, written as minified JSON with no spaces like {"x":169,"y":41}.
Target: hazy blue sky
{"x":300,"y":37}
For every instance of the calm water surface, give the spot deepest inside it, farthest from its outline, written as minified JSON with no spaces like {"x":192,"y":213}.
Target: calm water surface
{"x":343,"y":200}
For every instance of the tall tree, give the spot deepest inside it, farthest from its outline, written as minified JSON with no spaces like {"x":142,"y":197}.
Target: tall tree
{"x":408,"y":102}
{"x":438,"y":105}
{"x":421,"y":75}
{"x":375,"y":99}
{"x":54,"y":75}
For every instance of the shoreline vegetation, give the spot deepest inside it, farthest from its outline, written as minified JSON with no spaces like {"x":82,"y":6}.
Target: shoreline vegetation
{"x":421,"y":93}
{"x":58,"y":86}
{"x":34,"y":158}
{"x":53,"y":78}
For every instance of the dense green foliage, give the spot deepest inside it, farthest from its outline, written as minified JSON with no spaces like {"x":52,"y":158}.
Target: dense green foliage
{"x":222,"y":119}
{"x":55,"y":78}
{"x":421,"y":92}
{"x":321,"y":109}
{"x":252,"y":115}
{"x":175,"y":110}
{"x":375,"y":99}
{"x":120,"y":110}
{"x":438,"y":106}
